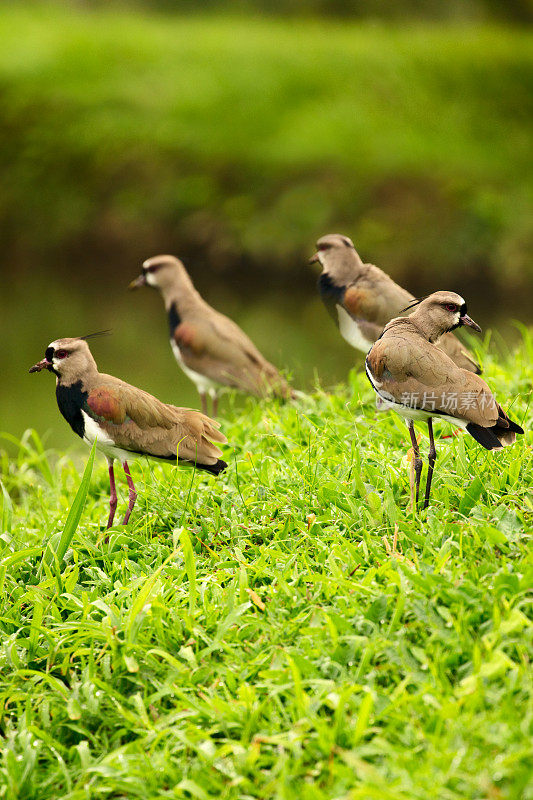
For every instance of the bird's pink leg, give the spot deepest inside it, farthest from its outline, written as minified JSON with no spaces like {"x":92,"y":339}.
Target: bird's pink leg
{"x":132,"y":493}
{"x":112,"y":493}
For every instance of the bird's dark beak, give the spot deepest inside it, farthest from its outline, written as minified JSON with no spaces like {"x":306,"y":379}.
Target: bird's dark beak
{"x":140,"y":281}
{"x":314,"y":259}
{"x":44,"y":364}
{"x":465,"y":320}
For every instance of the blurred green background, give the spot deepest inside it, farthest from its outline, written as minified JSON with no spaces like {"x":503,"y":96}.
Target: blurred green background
{"x":234,"y":139}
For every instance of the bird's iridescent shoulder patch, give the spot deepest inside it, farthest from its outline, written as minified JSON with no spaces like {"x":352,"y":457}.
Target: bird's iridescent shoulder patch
{"x":105,"y":404}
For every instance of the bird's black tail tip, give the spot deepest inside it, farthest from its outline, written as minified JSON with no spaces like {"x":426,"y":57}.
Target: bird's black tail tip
{"x":484,"y":436}
{"x":214,"y":469}
{"x":513,"y":426}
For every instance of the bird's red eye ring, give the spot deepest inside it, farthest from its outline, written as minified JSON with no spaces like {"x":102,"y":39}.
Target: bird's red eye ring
{"x":61,"y":354}
{"x":451,"y":307}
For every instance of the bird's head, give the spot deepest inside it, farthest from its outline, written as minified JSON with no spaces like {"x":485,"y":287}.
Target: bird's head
{"x":338,"y":257}
{"x":161,"y":272}
{"x":443,"y":312}
{"x":68,"y":358}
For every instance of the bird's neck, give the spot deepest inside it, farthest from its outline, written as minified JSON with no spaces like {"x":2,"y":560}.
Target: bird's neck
{"x":427,"y":327}
{"x":181,"y":295}
{"x":87,"y":378}
{"x":345,"y":270}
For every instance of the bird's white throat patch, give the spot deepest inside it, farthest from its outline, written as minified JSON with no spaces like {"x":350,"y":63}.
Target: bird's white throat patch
{"x":350,"y":331}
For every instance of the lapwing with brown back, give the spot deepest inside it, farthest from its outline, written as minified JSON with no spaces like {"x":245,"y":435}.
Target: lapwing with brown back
{"x":209,"y":347}
{"x":126,"y":422}
{"x":362,"y":298}
{"x":414,"y":377}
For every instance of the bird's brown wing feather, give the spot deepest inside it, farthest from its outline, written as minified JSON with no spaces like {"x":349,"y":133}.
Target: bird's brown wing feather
{"x":408,"y":366}
{"x":458,"y":353}
{"x":139,"y":422}
{"x":377,"y":298}
{"x":361,"y":302}
{"x":218,"y":349}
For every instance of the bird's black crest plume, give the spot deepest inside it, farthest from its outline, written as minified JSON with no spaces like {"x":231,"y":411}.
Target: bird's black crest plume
{"x":108,"y":332}
{"x":414,"y":303}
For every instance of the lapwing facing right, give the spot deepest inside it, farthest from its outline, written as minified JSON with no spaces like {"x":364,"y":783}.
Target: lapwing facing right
{"x":362,"y":298}
{"x":126,"y":422}
{"x":209,"y":347}
{"x":413,"y":376}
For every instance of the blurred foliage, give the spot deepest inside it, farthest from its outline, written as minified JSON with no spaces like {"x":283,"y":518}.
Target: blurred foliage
{"x":471,"y":10}
{"x":236,"y":142}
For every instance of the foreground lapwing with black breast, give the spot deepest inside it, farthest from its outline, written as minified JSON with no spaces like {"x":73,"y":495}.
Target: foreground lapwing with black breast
{"x":125,"y":421}
{"x":362,"y":298}
{"x":414,"y":377}
{"x":209,"y":347}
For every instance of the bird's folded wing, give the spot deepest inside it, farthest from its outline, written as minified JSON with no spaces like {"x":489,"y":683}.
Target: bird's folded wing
{"x":451,"y":345}
{"x":361,"y":303}
{"x":117,"y":402}
{"x":418,"y":374}
{"x":222,"y":352}
{"x":139,"y":422}
{"x":375,"y":297}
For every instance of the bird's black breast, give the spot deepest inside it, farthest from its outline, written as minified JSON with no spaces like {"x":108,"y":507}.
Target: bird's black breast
{"x":70,"y":401}
{"x":331,"y":294}
{"x":174,"y":319}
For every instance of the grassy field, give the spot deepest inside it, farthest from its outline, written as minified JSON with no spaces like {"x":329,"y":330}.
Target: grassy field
{"x":289,"y":631}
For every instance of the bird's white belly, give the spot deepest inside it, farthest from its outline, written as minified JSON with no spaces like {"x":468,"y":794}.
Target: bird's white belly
{"x":351,"y":332}
{"x":203,"y":384}
{"x":93,"y":431}
{"x":386,"y":402}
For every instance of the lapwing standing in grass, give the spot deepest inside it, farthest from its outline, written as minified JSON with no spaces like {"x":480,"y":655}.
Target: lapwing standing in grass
{"x":415,"y":378}
{"x":362,"y":298}
{"x":126,"y":422}
{"x":210,"y":348}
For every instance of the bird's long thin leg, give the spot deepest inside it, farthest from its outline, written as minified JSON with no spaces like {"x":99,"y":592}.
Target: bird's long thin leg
{"x":132,"y":493}
{"x":411,"y":484}
{"x":417,"y":462}
{"x":215,"y":404}
{"x":112,"y":493}
{"x":432,"y":457}
{"x":203,"y":401}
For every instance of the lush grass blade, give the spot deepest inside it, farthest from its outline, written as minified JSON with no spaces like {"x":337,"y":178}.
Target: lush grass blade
{"x":74,"y":515}
{"x":471,"y":496}
{"x":7,"y":510}
{"x":190,"y":567}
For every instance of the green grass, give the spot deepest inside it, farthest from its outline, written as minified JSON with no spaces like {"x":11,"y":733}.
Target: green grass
{"x":263,"y":635}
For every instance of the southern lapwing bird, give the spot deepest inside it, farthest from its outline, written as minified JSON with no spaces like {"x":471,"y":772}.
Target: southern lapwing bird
{"x":362,"y":298}
{"x":126,"y":422}
{"x":413,"y":376}
{"x":210,"y":348}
